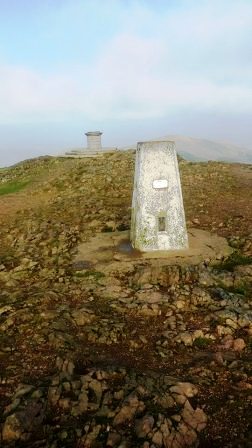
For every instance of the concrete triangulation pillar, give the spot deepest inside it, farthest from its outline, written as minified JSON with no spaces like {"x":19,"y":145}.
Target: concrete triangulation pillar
{"x":158,"y":219}
{"x":94,"y":141}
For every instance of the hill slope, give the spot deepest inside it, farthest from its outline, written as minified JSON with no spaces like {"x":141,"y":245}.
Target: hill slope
{"x":152,"y":355}
{"x":200,"y":150}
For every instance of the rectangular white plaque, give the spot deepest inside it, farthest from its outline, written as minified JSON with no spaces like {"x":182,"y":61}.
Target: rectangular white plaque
{"x":160,"y":183}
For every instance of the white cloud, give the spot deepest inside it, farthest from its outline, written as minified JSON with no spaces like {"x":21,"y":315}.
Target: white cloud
{"x":28,"y":94}
{"x":191,"y":59}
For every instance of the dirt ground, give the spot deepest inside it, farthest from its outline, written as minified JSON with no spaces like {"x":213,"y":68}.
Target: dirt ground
{"x":63,"y":318}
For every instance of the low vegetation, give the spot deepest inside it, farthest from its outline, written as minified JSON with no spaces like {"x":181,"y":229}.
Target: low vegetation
{"x":134,"y":357}
{"x":13,"y":187}
{"x":235,"y":259}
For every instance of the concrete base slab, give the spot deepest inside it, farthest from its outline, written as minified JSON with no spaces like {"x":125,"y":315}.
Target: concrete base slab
{"x":109,"y":251}
{"x":87,"y":153}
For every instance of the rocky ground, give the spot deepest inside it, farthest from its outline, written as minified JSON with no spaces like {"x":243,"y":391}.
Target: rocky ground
{"x":151,"y":357}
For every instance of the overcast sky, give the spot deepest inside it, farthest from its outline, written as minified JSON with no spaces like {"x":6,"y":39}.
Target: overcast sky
{"x":134,"y":69}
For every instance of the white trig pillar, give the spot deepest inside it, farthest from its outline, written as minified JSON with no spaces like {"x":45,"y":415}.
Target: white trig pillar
{"x":158,"y":219}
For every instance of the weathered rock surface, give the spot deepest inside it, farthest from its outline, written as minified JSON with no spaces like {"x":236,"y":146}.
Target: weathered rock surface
{"x":141,"y":355}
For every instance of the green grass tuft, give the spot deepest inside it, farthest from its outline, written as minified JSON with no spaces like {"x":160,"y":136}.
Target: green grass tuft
{"x":95,"y":274}
{"x":13,"y":187}
{"x":235,"y":259}
{"x":243,"y":288}
{"x":202,"y":342}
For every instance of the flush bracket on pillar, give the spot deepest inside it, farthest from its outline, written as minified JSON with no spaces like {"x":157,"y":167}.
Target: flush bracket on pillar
{"x":159,"y":184}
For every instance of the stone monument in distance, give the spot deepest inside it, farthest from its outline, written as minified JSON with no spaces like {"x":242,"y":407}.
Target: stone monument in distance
{"x":158,"y":219}
{"x":94,"y":140}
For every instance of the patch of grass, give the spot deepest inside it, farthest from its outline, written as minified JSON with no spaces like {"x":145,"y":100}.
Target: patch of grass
{"x":60,"y":184}
{"x":235,"y":259}
{"x":242,"y":288}
{"x":13,"y":187}
{"x":106,"y":229}
{"x":7,"y":256}
{"x":96,"y":274}
{"x":80,"y":274}
{"x":202,"y":342}
{"x":122,"y":227}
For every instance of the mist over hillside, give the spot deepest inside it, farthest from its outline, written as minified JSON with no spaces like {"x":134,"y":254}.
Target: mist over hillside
{"x":200,"y":150}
